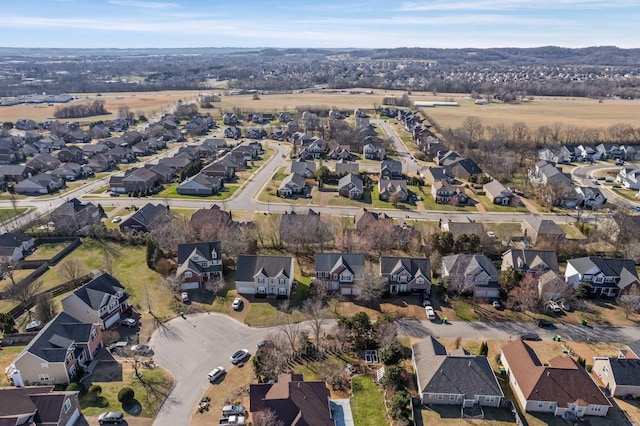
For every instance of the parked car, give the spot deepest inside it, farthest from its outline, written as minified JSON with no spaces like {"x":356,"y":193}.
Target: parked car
{"x":110,"y":417}
{"x":565,"y":306}
{"x":117,"y":219}
{"x":128,"y":322}
{"x":496,"y":304}
{"x":233,"y":420}
{"x":239,"y":356}
{"x":262,"y":343}
{"x":142,"y":350}
{"x":237,"y":303}
{"x":34,"y":326}
{"x":116,"y":346}
{"x":636,"y":208}
{"x":544,"y":323}
{"x":185,"y":296}
{"x":491,"y":234}
{"x":114,"y":194}
{"x":233,"y":410}
{"x":553,"y":306}
{"x":431,"y":313}
{"x":216,"y":373}
{"x":530,"y":336}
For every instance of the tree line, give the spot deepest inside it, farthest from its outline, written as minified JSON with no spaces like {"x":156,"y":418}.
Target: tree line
{"x":81,"y":110}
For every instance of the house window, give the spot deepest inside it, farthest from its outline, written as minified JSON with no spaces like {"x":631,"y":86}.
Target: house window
{"x":598,"y":280}
{"x":282,"y":281}
{"x":452,"y":397}
{"x":634,"y":286}
{"x":319,"y":274}
{"x":420,"y":280}
{"x":69,"y":358}
{"x":596,"y":408}
{"x":67,"y":406}
{"x":262,"y":290}
{"x":394,"y":277}
{"x":432,"y":396}
{"x":326,"y":274}
{"x":260,"y":280}
{"x":605,"y":370}
{"x":335,"y":276}
{"x":489,"y":399}
{"x":44,"y":365}
{"x":43,"y":377}
{"x":94,"y":334}
{"x":188,"y":274}
{"x":282,"y":291}
{"x":440,"y":397}
{"x":540,"y":404}
{"x":403,"y":279}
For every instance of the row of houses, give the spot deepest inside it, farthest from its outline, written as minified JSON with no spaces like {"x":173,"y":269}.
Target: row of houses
{"x":564,"y":192}
{"x":604,"y":151}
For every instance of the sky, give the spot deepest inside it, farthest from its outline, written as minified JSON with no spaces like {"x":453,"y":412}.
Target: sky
{"x":322,"y":23}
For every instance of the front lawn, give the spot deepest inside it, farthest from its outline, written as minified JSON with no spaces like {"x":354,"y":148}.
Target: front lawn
{"x":367,"y":403}
{"x":10,"y":213}
{"x":170,"y":192}
{"x":464,"y":310}
{"x":490,"y":207}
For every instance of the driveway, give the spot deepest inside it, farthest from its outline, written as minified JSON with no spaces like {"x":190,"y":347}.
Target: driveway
{"x":190,"y":348}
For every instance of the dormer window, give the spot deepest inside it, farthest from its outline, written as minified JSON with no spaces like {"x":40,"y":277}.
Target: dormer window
{"x":214,"y":255}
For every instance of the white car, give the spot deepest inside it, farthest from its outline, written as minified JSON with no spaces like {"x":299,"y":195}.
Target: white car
{"x":185,"y":296}
{"x":237,"y":303}
{"x":117,"y":219}
{"x":553,"y":306}
{"x":239,"y":356}
{"x":216,"y":373}
{"x":491,"y":234}
{"x":431,"y":313}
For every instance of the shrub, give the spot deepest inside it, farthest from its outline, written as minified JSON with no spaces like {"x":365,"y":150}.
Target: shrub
{"x":76,"y":387}
{"x":95,"y":389}
{"x":391,"y":376}
{"x":390,"y":355}
{"x":125,"y":395}
{"x":398,"y":405}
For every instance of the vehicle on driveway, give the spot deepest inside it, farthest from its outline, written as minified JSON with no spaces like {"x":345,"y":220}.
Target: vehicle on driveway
{"x":565,"y":306}
{"x":142,"y":350}
{"x":263,"y":343}
{"x":233,"y":420}
{"x":530,"y":336}
{"x":128,"y":322}
{"x":431,"y":313}
{"x":111,"y":417}
{"x":553,"y":306}
{"x":185,"y":297}
{"x":237,"y":303}
{"x":240,"y":356}
{"x":216,"y":373}
{"x":233,"y":410}
{"x":117,"y":219}
{"x":544,"y":323}
{"x":496,"y":304}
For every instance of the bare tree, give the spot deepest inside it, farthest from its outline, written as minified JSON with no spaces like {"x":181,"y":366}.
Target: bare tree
{"x":473,"y":129}
{"x":172,"y":233}
{"x":25,"y":294}
{"x":289,"y":328}
{"x":524,"y":297}
{"x":371,"y":287}
{"x":267,"y":417}
{"x":45,"y":308}
{"x":630,"y":301}
{"x":71,"y":270}
{"x":215,"y":284}
{"x":386,"y":334}
{"x":316,"y":310}
{"x":273,"y":358}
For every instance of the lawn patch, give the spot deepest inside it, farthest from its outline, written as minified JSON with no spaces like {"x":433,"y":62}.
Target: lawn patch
{"x":367,"y":403}
{"x":464,"y":310}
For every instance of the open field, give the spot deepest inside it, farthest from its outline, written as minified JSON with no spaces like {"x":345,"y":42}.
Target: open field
{"x":581,"y":112}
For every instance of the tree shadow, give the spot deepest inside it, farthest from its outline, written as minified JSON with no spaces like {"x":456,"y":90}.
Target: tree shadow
{"x":133,"y":408}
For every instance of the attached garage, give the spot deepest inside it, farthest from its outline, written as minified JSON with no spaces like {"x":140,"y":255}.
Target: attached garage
{"x":193,"y":285}
{"x":490,"y":293}
{"x":249,"y":288}
{"x":110,"y":321}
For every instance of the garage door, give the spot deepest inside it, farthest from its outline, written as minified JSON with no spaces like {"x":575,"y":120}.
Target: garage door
{"x":190,"y":286}
{"x":346,"y":290}
{"x":246,"y":290}
{"x":108,"y":323}
{"x":73,"y":418}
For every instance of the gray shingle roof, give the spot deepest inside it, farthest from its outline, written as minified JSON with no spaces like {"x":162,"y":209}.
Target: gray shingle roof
{"x":626,"y":371}
{"x":249,"y":266}
{"x":326,"y":261}
{"x":97,"y":292}
{"x":610,"y":267}
{"x":54,"y":339}
{"x":204,"y":250}
{"x":389,"y":265}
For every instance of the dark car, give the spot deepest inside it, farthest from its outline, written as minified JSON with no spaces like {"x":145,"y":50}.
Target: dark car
{"x":544,"y":323}
{"x":110,"y":417}
{"x":530,"y":336}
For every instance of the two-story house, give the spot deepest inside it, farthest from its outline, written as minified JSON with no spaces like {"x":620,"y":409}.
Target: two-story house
{"x":524,"y":261}
{"x":266,"y":276}
{"x":350,"y":186}
{"x":373,"y":152}
{"x":608,"y":277}
{"x":497,"y":193}
{"x":198,"y":262}
{"x":445,"y":193}
{"x":406,"y":274}
{"x":629,"y":177}
{"x":59,"y":351}
{"x":74,"y":215}
{"x":390,"y":169}
{"x":470,"y":273}
{"x":14,"y":247}
{"x":39,"y":406}
{"x":393,"y":190}
{"x":589,"y":196}
{"x":339,"y":271}
{"x":102,"y":300}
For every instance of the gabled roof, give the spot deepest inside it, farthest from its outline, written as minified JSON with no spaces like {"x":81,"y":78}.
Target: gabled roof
{"x":496,"y":189}
{"x":270,"y":266}
{"x":148,"y":214}
{"x":41,"y":400}
{"x":393,"y":165}
{"x":463,"y":264}
{"x":204,"y":250}
{"x":626,"y":372}
{"x":610,"y":267}
{"x":459,"y":228}
{"x":326,"y":262}
{"x":543,"y":226}
{"x":70,"y":208}
{"x":562,"y":380}
{"x":458,"y":373}
{"x":295,"y":179}
{"x":350,"y":179}
{"x":53,"y":341}
{"x":392,"y":265}
{"x":97,"y":292}
{"x":532,"y":259}
{"x":13,"y":240}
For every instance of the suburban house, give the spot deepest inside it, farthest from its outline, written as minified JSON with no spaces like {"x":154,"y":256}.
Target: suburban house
{"x":146,"y":218}
{"x":43,"y":183}
{"x":470,"y":273}
{"x":463,"y":168}
{"x":15,"y":172}
{"x":458,"y":378}
{"x":549,"y":155}
{"x":339,"y":271}
{"x":443,"y":157}
{"x":620,"y":376}
{"x":406,"y":274}
{"x":542,"y":232}
{"x":294,"y":401}
{"x":608,"y":277}
{"x":293,"y":184}
{"x":498,"y":194}
{"x":445,"y":193}
{"x":340,"y":152}
{"x":373,"y":152}
{"x":43,"y":162}
{"x":200,"y":184}
{"x":367,"y":219}
{"x":198,"y":262}
{"x":434,"y":174}
{"x":390,"y":169}
{"x":102,"y":300}
{"x":350,"y":186}
{"x":552,"y":287}
{"x":58,"y":352}
{"x":589,"y":197}
{"x":545,"y":173}
{"x":532,"y":261}
{"x":74,"y":215}
{"x":459,"y":228}
{"x":568,"y":154}
{"x":629,"y":177}
{"x":14,"y":247}
{"x":296,"y":228}
{"x":304,"y":168}
{"x":39,"y":406}
{"x":220,"y":168}
{"x":560,"y":387}
{"x":393,"y":190}
{"x":270,"y":276}
{"x":140,"y":180}
{"x":343,"y":167}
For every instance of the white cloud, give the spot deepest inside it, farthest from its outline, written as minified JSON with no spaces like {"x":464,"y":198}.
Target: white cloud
{"x":145,"y":4}
{"x":515,"y":5}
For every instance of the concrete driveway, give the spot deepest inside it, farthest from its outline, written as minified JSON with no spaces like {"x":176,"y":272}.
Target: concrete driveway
{"x":190,"y":348}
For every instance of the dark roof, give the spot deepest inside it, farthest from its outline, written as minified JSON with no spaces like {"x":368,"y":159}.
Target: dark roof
{"x":70,"y":208}
{"x":543,"y":226}
{"x":610,"y":267}
{"x":532,"y":259}
{"x":462,"y":264}
{"x":98,"y":291}
{"x":271,"y":266}
{"x":185,"y":251}
{"x":326,"y":261}
{"x":625,"y":371}
{"x":350,"y":179}
{"x":147,"y":215}
{"x":635,"y":348}
{"x":49,"y":407}
{"x":459,"y":228}
{"x":53,"y":341}
{"x":458,"y":373}
{"x":389,"y":265}
{"x":41,"y":400}
{"x":13,"y":240}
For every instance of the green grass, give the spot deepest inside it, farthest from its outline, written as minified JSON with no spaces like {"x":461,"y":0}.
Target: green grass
{"x":10,"y":213}
{"x":629,"y":194}
{"x":490,"y":207}
{"x":150,"y":394}
{"x":279,"y":175}
{"x":464,"y":310}
{"x":47,"y":250}
{"x":430,"y":204}
{"x":571,"y":231}
{"x":170,"y":192}
{"x":367,"y":403}
{"x":7,"y":355}
{"x":503,"y":230}
{"x":263,"y":313}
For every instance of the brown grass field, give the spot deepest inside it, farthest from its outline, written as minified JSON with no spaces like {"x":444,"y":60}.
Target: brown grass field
{"x":582,"y":112}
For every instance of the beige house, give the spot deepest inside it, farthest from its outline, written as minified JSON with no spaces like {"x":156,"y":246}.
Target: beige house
{"x":59,"y":353}
{"x":39,"y":406}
